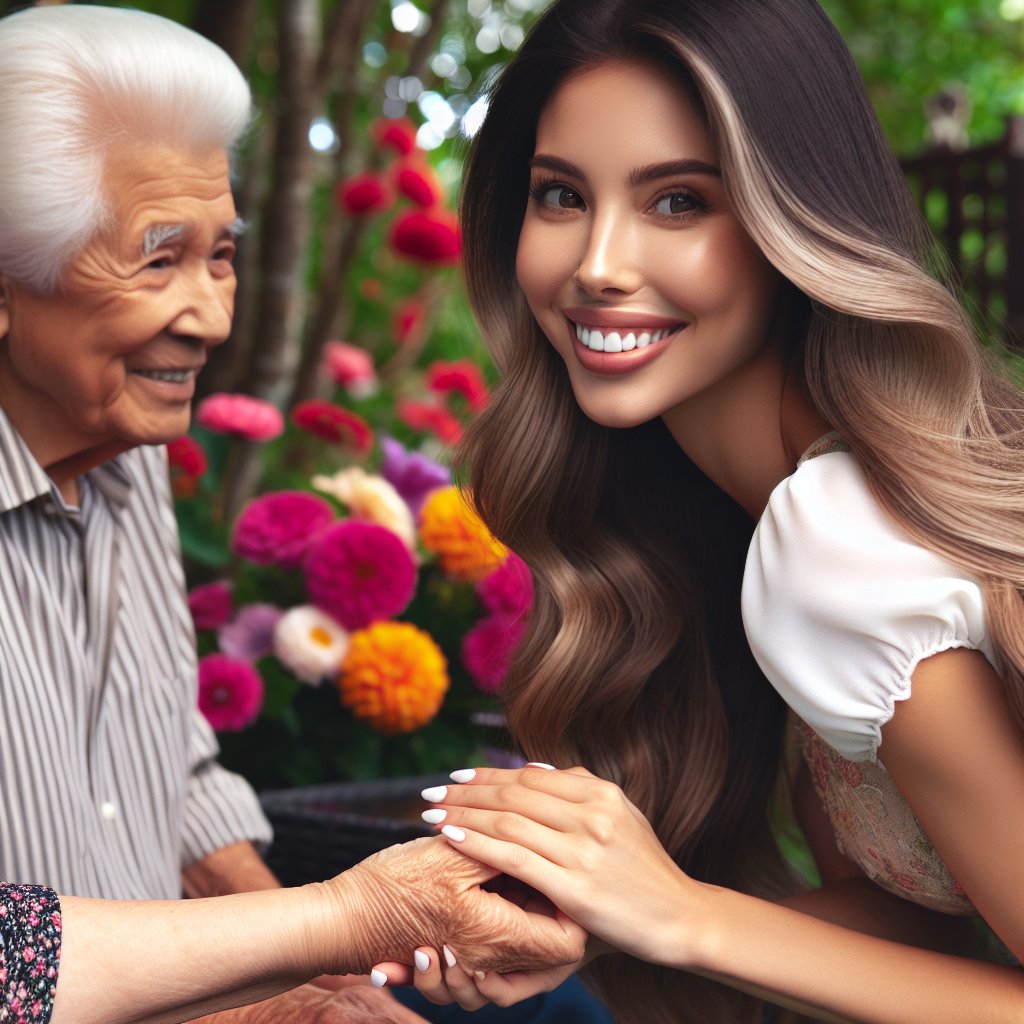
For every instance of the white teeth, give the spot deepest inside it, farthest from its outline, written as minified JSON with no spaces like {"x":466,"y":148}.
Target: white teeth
{"x":173,"y":376}
{"x":619,"y":341}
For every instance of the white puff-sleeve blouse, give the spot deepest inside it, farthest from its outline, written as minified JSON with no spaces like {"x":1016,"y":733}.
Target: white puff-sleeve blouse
{"x":839,"y":607}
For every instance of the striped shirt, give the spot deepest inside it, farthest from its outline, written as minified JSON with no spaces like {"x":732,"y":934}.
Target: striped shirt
{"x":108,"y":780}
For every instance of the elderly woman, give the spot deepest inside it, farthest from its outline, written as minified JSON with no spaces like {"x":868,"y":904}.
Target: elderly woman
{"x":117,"y":232}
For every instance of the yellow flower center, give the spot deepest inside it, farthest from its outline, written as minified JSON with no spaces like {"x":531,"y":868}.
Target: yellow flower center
{"x":320,"y":636}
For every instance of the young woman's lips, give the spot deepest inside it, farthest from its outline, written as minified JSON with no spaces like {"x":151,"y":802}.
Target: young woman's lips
{"x":620,"y":344}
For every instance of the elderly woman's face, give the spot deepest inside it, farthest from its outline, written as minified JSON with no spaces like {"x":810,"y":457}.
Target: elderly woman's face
{"x":110,"y":359}
{"x":630,"y":256}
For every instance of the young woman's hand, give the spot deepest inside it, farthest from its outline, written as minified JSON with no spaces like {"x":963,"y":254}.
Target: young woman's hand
{"x":579,"y":841}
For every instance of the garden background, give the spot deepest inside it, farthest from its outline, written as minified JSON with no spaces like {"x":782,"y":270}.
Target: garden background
{"x":354,"y":619}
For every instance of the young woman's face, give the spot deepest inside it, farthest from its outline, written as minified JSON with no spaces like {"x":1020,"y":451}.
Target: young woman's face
{"x":630,"y":257}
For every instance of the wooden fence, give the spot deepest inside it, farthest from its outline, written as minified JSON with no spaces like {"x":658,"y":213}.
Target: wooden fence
{"x":974,"y":201}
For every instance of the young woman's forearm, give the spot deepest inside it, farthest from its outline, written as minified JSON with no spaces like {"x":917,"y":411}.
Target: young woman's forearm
{"x":833,"y":973}
{"x":172,"y":960}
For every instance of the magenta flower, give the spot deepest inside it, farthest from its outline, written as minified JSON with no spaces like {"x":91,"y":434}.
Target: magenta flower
{"x":508,"y":591}
{"x":210,"y":604}
{"x":250,"y":635}
{"x":251,"y":418}
{"x":277,"y":528}
{"x":414,"y":476}
{"x":230,"y":692}
{"x":359,"y":573}
{"x":487,"y":651}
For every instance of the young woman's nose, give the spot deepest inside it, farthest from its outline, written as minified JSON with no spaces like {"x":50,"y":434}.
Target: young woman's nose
{"x":610,"y":261}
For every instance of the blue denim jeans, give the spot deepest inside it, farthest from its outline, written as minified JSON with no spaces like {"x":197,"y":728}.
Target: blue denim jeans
{"x":570,"y":1003}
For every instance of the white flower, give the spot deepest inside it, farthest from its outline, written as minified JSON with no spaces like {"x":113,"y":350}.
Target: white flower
{"x":309,"y":643}
{"x":371,"y":497}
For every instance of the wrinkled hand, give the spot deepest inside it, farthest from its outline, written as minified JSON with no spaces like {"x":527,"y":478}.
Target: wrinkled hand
{"x":309,"y":1004}
{"x":580,"y":841}
{"x":425,"y":893}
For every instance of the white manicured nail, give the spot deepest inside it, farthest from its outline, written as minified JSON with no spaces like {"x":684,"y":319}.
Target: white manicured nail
{"x":541,"y":764}
{"x":422,"y":961}
{"x":453,"y":832}
{"x":434,"y":793}
{"x":434,"y":816}
{"x":463,"y":775}
{"x":378,"y":979}
{"x":449,"y":956}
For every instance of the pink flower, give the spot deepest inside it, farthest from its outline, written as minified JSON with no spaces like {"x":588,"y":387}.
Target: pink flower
{"x":210,"y":605}
{"x":360,"y":573}
{"x":277,"y":528}
{"x":463,"y":377}
{"x":251,"y":418}
{"x":418,"y":181}
{"x":363,"y":195}
{"x":350,"y":367}
{"x":508,"y":591}
{"x":230,"y":692}
{"x":427,"y":236}
{"x":250,"y":635}
{"x":487,"y":651}
{"x":398,"y":134}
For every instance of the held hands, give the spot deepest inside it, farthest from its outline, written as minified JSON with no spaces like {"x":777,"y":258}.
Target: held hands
{"x":578,"y":840}
{"x":428,"y":894}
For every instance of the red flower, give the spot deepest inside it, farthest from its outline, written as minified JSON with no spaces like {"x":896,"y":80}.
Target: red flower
{"x":230,"y":692}
{"x":360,"y":573}
{"x":407,"y":326}
{"x":419,"y":182}
{"x":429,"y":418}
{"x":427,"y":236}
{"x":332,"y":423}
{"x":508,"y":591}
{"x":347,"y":364}
{"x":398,"y":134}
{"x":186,"y":455}
{"x":363,"y":195}
{"x":462,"y":376}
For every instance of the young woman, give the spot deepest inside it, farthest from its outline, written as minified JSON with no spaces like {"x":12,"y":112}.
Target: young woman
{"x":752,"y":451}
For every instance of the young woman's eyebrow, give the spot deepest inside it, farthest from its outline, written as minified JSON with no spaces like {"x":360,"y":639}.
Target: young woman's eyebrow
{"x":556,"y":164}
{"x":670,"y":169}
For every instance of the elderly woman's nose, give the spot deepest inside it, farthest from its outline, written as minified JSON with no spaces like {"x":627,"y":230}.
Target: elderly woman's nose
{"x":206,"y":307}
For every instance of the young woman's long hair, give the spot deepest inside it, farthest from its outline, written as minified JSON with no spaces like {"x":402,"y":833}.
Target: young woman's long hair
{"x":636,"y":664}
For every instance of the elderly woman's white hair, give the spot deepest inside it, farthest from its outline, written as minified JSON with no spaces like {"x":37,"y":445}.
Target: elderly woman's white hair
{"x":78,"y":82}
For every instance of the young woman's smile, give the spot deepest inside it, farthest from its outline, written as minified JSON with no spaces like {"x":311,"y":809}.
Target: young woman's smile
{"x":630,"y":256}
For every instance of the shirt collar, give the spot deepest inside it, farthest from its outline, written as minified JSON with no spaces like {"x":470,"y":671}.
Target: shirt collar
{"x":22,"y":479}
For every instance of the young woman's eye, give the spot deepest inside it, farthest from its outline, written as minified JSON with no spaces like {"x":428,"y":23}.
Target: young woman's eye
{"x":673,"y":204}
{"x":558,"y":197}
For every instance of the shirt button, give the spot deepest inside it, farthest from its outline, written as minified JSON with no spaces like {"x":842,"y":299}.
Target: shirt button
{"x":108,"y":810}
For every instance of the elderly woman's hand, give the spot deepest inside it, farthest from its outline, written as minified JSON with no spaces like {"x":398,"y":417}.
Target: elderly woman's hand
{"x":425,"y":893}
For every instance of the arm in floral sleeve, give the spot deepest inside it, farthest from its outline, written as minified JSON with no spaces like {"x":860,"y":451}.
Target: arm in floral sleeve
{"x":29,"y":952}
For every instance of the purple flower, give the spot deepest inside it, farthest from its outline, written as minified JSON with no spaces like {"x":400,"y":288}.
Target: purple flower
{"x":251,"y":633}
{"x":230,"y":692}
{"x":359,"y":573}
{"x":210,"y":604}
{"x":413,"y":475}
{"x":277,"y":528}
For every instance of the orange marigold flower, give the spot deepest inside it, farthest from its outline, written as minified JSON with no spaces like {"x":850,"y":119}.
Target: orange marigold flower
{"x":394,"y":677}
{"x":457,"y":535}
{"x":332,"y":423}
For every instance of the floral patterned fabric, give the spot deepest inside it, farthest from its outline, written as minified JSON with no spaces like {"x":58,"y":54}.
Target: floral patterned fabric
{"x":29,"y":952}
{"x":875,"y":827}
